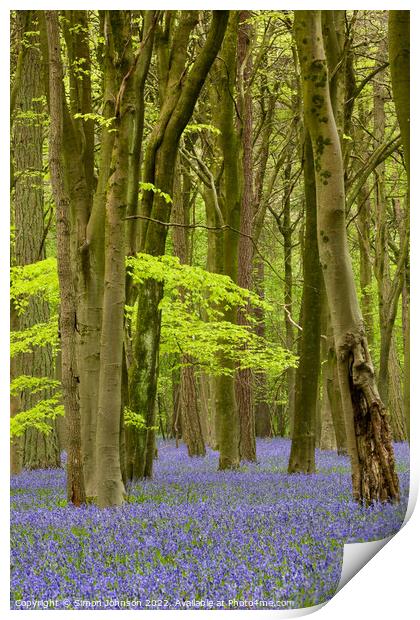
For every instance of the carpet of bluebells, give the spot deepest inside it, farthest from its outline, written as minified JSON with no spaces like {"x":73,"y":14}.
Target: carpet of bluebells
{"x":194,"y":537}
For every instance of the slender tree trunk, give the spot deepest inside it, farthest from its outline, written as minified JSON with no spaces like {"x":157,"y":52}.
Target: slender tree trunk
{"x":302,"y":455}
{"x":69,"y":373}
{"x":367,"y":425}
{"x":399,"y":60}
{"x":334,"y":393}
{"x":405,"y":300}
{"x":214,"y":265}
{"x":190,"y":415}
{"x":244,"y":378}
{"x":227,"y":411}
{"x":364,"y":209}
{"x":286,"y":230}
{"x":396,"y":395}
{"x":328,"y":439}
{"x":382,"y":260}
{"x":262,"y":409}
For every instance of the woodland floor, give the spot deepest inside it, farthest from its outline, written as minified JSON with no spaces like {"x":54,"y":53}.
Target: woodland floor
{"x":194,"y":537}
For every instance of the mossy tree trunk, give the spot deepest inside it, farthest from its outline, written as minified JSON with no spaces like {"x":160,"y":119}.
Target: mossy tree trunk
{"x":214,"y":265}
{"x":226,"y":406}
{"x":88,"y":228}
{"x":181,"y":90}
{"x":302,"y":455}
{"x":263,"y":426}
{"x":399,"y":60}
{"x":367,"y":424}
{"x":109,"y":476}
{"x":69,"y":371}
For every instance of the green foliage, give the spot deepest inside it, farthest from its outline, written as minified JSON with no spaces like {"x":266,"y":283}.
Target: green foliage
{"x":97,"y":118}
{"x":37,"y":279}
{"x":136,"y":420}
{"x":37,"y":417}
{"x":38,"y":335}
{"x":212,"y":292}
{"x":201,"y":127}
{"x":34,"y":384}
{"x":192,"y":318}
{"x":149,"y":187}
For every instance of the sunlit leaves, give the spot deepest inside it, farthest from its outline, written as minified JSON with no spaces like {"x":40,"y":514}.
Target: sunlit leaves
{"x":192,"y":318}
{"x":34,"y":384}
{"x":149,"y":187}
{"x":38,"y":335}
{"x":37,"y":417}
{"x":37,"y":279}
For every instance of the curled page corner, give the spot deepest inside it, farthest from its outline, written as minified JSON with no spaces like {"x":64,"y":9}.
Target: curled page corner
{"x":356,"y":556}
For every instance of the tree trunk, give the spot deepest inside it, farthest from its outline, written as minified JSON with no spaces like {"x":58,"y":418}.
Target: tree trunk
{"x":364,"y":210}
{"x":34,"y":449}
{"x":109,"y":478}
{"x":190,"y":415}
{"x":399,"y":60}
{"x":177,"y":107}
{"x":328,"y":439}
{"x":334,"y":393}
{"x":226,"y":406}
{"x":367,"y":425}
{"x":302,"y":455}
{"x":396,"y":395}
{"x":69,"y":373}
{"x":214,"y":264}
{"x":262,"y":409}
{"x":244,"y":378}
{"x":286,"y":230}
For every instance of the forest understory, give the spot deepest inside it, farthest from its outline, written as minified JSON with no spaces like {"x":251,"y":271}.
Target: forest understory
{"x":196,"y":538}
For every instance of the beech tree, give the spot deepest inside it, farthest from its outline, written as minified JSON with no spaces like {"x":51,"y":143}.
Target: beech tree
{"x":69,"y":378}
{"x":179,"y":97}
{"x":399,"y":57}
{"x":367,"y":425}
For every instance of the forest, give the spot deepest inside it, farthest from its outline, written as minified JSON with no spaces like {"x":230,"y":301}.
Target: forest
{"x":209,"y":303}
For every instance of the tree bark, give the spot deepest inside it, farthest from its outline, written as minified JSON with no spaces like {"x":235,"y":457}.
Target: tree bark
{"x":263,"y":426}
{"x":399,"y":60}
{"x":244,"y":378}
{"x":190,"y":414}
{"x":34,"y":449}
{"x":180,"y":97}
{"x":69,"y":373}
{"x":367,"y":425}
{"x":109,"y":479}
{"x":226,"y":406}
{"x":302,"y":455}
